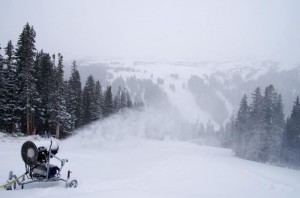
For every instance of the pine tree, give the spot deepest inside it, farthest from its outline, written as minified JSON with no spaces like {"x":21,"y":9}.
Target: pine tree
{"x":117,"y":100}
{"x":27,"y":93}
{"x":1,"y":60}
{"x":99,"y":100}
{"x":2,"y":100}
{"x":266,"y":116}
{"x":292,"y":136}
{"x":241,"y":137}
{"x":123,"y":99}
{"x":89,"y":101}
{"x":128,"y":99}
{"x":59,"y":117}
{"x":226,"y":136}
{"x":277,"y":131}
{"x":108,"y":107}
{"x":45,"y":86}
{"x":256,"y":143}
{"x":9,"y":96}
{"x":74,"y":98}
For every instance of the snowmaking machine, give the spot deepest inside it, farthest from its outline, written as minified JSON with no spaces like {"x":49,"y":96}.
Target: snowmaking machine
{"x":37,"y":156}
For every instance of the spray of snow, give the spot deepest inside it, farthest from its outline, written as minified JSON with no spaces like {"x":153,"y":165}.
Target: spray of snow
{"x":147,"y":123}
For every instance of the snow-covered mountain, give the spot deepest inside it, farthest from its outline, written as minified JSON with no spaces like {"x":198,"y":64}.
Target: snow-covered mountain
{"x":200,"y":91}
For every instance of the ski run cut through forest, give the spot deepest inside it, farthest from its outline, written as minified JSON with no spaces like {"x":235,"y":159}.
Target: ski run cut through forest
{"x":153,"y":129}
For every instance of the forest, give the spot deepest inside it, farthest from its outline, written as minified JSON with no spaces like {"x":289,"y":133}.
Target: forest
{"x":260,"y":132}
{"x":35,"y":98}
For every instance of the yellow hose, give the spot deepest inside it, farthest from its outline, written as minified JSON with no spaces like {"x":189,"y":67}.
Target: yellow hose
{"x":11,"y":182}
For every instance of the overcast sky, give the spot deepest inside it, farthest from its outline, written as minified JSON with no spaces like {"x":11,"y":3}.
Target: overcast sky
{"x":168,"y":29}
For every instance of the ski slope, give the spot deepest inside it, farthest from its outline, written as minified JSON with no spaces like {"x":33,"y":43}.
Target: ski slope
{"x":138,"y":167}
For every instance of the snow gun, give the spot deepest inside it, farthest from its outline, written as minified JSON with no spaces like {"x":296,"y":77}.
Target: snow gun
{"x":36,"y":156}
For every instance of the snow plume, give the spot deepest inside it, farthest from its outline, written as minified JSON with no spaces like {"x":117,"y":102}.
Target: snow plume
{"x":150,"y":123}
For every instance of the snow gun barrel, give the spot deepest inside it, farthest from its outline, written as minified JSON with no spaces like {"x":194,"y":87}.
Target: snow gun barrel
{"x":34,"y":153}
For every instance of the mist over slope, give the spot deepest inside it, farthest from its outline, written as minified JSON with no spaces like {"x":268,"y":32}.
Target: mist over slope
{"x":150,"y":123}
{"x":201,"y":91}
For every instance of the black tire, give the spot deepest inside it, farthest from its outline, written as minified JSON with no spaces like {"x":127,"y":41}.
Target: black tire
{"x":72,"y":184}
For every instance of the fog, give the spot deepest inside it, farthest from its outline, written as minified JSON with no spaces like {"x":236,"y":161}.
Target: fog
{"x":159,"y":29}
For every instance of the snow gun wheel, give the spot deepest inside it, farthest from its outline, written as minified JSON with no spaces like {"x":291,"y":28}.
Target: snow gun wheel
{"x":72,"y":184}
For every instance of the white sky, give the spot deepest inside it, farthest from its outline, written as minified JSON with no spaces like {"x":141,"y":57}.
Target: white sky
{"x":169,"y":29}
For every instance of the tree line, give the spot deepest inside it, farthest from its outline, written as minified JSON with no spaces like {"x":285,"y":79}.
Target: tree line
{"x":260,"y":132}
{"x":35,"y":98}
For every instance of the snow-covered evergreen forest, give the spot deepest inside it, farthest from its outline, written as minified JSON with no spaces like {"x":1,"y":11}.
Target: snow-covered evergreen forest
{"x":35,"y":98}
{"x":260,"y":132}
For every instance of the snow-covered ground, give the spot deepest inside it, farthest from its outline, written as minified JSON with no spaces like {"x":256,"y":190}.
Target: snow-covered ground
{"x":140,"y":167}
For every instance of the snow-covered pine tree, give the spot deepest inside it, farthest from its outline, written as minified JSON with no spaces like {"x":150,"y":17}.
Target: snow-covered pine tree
{"x":269,"y":96}
{"x":99,"y":100}
{"x":128,"y":99}
{"x":10,"y":84}
{"x":256,"y":143}
{"x":45,"y":86}
{"x":27,"y":92}
{"x":1,"y":92}
{"x":117,"y":100}
{"x":59,"y":118}
{"x":292,"y":136}
{"x":89,"y":105}
{"x":1,"y":59}
{"x":242,"y":133}
{"x":108,"y":107}
{"x":123,"y":99}
{"x":277,"y":131}
{"x":74,"y":98}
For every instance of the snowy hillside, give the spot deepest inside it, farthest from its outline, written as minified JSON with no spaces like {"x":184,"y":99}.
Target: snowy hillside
{"x":212,"y":90}
{"x":115,"y":165}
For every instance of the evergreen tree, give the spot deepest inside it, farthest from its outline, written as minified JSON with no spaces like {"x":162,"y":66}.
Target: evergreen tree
{"x":226,"y":133}
{"x":123,"y":99}
{"x":27,"y":93}
{"x":292,"y":136}
{"x":128,"y":100}
{"x":60,"y":118}
{"x":2,"y":100}
{"x":9,"y":96}
{"x":256,"y":143}
{"x":258,"y":130}
{"x":270,"y":94}
{"x":99,"y":100}
{"x":277,"y":131}
{"x":74,"y":98}
{"x":108,"y":107}
{"x":242,"y":136}
{"x":89,"y":101}
{"x":117,"y":100}
{"x":45,"y":86}
{"x":1,"y":60}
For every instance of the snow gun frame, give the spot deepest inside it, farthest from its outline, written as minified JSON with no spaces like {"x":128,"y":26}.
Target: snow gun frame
{"x":38,"y":168}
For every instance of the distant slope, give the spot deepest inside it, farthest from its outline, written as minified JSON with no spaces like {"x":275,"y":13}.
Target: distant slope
{"x":201,"y":91}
